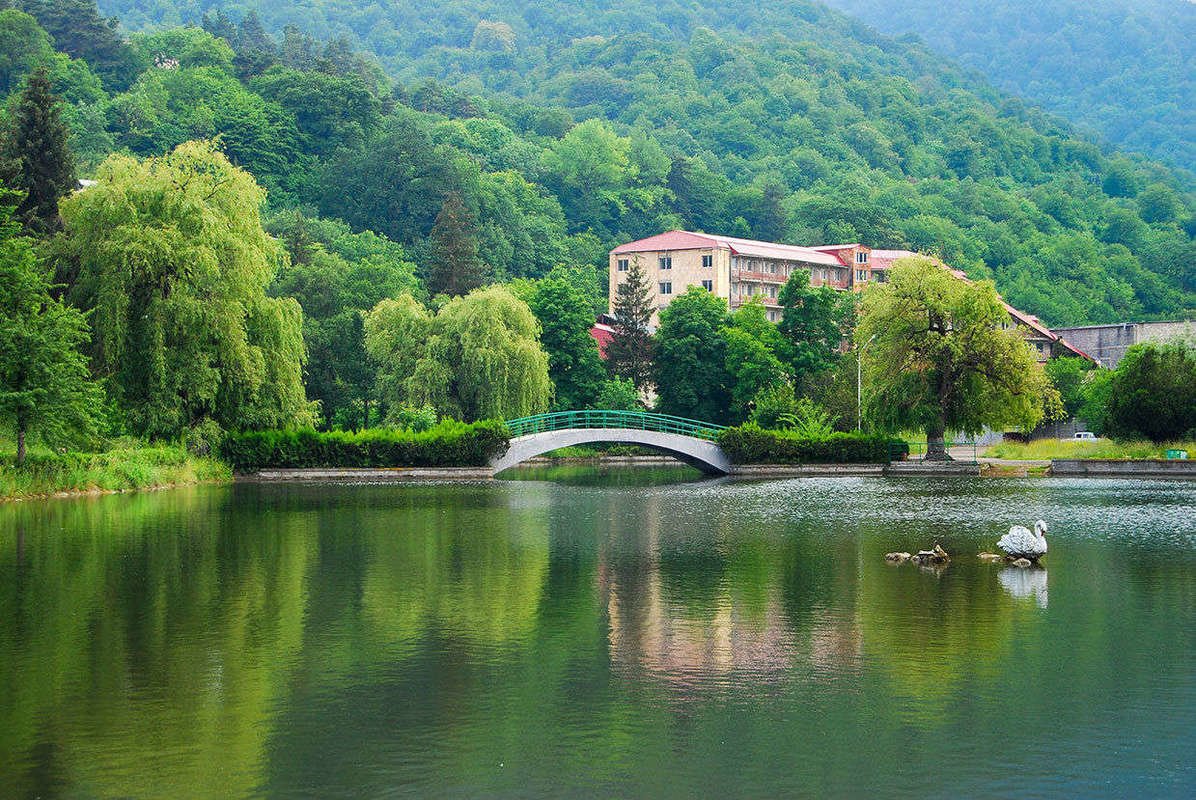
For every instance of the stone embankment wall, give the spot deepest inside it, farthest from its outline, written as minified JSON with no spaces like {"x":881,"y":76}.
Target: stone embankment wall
{"x":1100,"y":468}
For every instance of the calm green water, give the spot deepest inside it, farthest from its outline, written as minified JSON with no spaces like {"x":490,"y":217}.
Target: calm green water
{"x":598,"y":638}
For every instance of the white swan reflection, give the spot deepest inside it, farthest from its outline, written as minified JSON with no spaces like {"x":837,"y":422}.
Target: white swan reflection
{"x":1021,"y":583}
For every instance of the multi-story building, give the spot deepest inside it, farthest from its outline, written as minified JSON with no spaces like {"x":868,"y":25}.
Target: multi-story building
{"x":739,"y":270}
{"x":736,"y":270}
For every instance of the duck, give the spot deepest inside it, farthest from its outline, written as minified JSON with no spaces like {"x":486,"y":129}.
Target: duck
{"x":1021,"y":543}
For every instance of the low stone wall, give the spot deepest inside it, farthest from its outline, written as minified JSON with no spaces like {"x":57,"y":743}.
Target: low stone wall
{"x":765,"y":471}
{"x":1102,"y":468}
{"x":931,"y":469}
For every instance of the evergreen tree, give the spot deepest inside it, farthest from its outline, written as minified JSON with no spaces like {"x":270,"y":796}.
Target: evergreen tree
{"x":45,"y":386}
{"x":79,"y":30}
{"x":629,"y":354}
{"x":256,"y":51}
{"x":220,"y":26}
{"x":456,"y":267}
{"x":42,"y":165}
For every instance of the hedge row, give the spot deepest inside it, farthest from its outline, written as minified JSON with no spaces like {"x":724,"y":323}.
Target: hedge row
{"x":751,"y":444}
{"x":447,"y":444}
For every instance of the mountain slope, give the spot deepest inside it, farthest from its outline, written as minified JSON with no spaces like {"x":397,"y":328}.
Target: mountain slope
{"x":819,"y":130}
{"x":1126,"y":68}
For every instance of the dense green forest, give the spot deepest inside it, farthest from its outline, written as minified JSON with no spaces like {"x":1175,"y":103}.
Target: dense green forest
{"x":792,"y":123}
{"x":1121,"y":67}
{"x":265,"y":195}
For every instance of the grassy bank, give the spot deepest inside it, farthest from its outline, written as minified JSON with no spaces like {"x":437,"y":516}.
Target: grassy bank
{"x":1045,"y":449}
{"x":131,"y":467}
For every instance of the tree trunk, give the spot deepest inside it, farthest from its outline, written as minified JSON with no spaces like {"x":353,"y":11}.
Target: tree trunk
{"x":20,"y":446}
{"x":936,"y":446}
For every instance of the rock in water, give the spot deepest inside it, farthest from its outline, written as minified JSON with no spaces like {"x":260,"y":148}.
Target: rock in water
{"x":936,"y":556}
{"x":897,"y":558}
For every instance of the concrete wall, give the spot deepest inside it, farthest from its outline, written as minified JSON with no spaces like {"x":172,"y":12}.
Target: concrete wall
{"x":1108,"y":343}
{"x":1096,"y":468}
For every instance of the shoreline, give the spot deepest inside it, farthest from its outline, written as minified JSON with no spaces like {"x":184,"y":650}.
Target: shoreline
{"x":986,"y":469}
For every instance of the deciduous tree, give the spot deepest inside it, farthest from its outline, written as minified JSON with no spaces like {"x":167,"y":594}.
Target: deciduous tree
{"x":45,"y":386}
{"x":813,"y":323}
{"x":478,"y":358}
{"x":1153,"y":392}
{"x":573,"y":361}
{"x":939,"y":359}
{"x":691,"y":357}
{"x":172,"y":262}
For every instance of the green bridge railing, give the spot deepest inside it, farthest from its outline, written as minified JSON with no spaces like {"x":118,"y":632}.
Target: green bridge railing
{"x":630,"y":420}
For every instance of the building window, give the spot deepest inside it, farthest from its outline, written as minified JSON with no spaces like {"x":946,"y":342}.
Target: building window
{"x":666,"y":287}
{"x":666,"y":262}
{"x":861,"y":258}
{"x":708,"y":285}
{"x":623,"y":265}
{"x":707,"y":261}
{"x":861,"y":275}
{"x":772,"y":316}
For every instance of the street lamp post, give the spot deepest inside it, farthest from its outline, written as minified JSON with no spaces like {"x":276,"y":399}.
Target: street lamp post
{"x":859,"y":384}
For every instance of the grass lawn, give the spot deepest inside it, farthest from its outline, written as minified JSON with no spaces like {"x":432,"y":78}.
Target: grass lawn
{"x":126,"y":466}
{"x":1044,"y":449}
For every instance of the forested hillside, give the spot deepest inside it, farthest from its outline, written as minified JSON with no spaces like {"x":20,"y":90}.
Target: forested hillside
{"x":1126,"y":68}
{"x":561,"y":142}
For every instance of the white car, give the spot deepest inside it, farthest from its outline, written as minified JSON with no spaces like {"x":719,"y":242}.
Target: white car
{"x":1085,"y":436}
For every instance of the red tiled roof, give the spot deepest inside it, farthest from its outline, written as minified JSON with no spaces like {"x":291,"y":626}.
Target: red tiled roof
{"x":602,"y":334}
{"x":685,"y":240}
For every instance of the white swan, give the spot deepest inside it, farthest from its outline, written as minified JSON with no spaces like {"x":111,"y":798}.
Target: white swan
{"x":1021,"y":543}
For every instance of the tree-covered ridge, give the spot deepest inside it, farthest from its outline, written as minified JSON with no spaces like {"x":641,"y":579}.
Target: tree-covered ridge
{"x":1122,"y":67}
{"x":820,"y":131}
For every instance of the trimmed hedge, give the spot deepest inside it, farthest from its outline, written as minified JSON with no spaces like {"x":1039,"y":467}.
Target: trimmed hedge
{"x":447,"y":444}
{"x":751,"y":444}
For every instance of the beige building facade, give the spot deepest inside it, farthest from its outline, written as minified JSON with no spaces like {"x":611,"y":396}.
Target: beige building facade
{"x":737,"y":270}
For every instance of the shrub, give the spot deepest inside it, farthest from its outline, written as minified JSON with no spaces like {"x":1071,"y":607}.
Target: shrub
{"x":447,"y":444}
{"x":203,"y":438}
{"x":751,"y":444}
{"x":772,"y":404}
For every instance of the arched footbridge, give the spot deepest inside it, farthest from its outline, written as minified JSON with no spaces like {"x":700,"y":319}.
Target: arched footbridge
{"x":688,"y":440}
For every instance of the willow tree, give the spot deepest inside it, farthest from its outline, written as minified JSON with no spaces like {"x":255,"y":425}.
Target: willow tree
{"x":937,"y":357}
{"x":479,"y":357}
{"x":169,"y":256}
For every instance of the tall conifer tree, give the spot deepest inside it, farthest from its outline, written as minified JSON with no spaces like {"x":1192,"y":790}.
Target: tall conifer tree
{"x":456,"y":266}
{"x":629,"y":354}
{"x":40,"y":160}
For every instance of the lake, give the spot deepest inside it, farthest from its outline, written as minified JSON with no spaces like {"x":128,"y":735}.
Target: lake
{"x":577,"y":633}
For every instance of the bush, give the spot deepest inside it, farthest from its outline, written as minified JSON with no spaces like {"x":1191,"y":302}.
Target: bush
{"x":203,"y":438}
{"x":447,"y":444}
{"x":772,"y":404}
{"x":751,"y":444}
